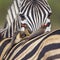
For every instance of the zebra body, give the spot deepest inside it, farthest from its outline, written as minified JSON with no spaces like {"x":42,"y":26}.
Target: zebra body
{"x":46,"y":47}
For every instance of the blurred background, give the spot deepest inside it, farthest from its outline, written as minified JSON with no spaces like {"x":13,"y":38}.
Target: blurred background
{"x":54,"y":4}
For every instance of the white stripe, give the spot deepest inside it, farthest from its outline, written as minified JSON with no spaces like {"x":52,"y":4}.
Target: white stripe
{"x":7,"y":17}
{"x":31,"y":18}
{"x":16,"y":8}
{"x":10,"y":16}
{"x":13,"y":11}
{"x":9,"y":12}
{"x":9,"y":24}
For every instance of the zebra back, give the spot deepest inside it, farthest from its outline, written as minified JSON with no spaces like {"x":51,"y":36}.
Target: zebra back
{"x":39,"y":48}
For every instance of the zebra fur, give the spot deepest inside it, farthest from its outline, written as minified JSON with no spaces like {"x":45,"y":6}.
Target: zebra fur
{"x":32,"y":13}
{"x":38,"y":48}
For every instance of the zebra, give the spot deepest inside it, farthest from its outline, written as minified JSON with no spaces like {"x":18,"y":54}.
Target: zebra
{"x":36,"y":13}
{"x":42,"y":47}
{"x":12,"y":23}
{"x":28,"y":15}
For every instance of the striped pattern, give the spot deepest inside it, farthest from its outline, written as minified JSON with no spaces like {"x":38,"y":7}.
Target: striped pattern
{"x":4,"y":46}
{"x":33,"y":14}
{"x":30,"y":14}
{"x":12,"y":20}
{"x":36,"y":13}
{"x":38,"y":48}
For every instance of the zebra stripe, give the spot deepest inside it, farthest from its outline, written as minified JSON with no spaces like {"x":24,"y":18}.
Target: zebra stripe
{"x":29,"y":11}
{"x":4,"y":45}
{"x":5,"y":48}
{"x":12,"y":24}
{"x":38,"y":48}
{"x":34,"y":12}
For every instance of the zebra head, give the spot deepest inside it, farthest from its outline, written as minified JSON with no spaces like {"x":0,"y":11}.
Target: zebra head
{"x":35,"y":12}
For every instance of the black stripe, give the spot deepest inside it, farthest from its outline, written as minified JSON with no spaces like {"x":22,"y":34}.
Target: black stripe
{"x":5,"y":24}
{"x":38,"y":15}
{"x":7,"y":33}
{"x":31,"y":53}
{"x":14,"y":25}
{"x":47,"y":5}
{"x":11,"y":13}
{"x":48,"y":48}
{"x":57,"y":56}
{"x":23,"y":9}
{"x":42,"y":11}
{"x":18,"y":45}
{"x":23,"y":49}
{"x":25,"y":6}
{"x":32,"y":14}
{"x":10,"y":31}
{"x":35,"y":10}
{"x":11,"y":25}
{"x":4,"y":45}
{"x":23,"y":2}
{"x":42,"y":1}
{"x":19,"y":51}
{"x":13,"y":20}
{"x":29,"y":23}
{"x":14,"y":7}
{"x":26,"y":46}
{"x":53,"y":33}
{"x":47,"y":9}
{"x":19,"y":24}
{"x":29,"y":16}
{"x":17,"y":4}
{"x":56,"y":32}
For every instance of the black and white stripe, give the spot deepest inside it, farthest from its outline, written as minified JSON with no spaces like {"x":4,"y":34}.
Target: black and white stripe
{"x":12,"y":24}
{"x":34,"y":12}
{"x":38,"y":48}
